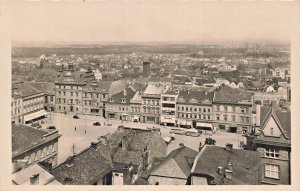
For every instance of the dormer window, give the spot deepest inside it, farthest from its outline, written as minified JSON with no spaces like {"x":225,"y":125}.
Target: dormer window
{"x":110,"y":100}
{"x":123,"y":100}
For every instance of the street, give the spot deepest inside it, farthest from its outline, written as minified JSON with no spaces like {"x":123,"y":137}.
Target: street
{"x":85,"y":133}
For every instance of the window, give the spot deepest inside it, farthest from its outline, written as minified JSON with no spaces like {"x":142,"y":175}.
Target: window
{"x":195,"y":109}
{"x":71,"y":93}
{"x":225,"y":108}
{"x":272,"y":171}
{"x":218,"y":117}
{"x":217,"y":108}
{"x":271,"y":153}
{"x":208,"y":110}
{"x":178,"y":108}
{"x":225,"y":117}
{"x":204,"y":110}
{"x":76,"y":94}
{"x":272,"y":131}
{"x":233,"y":117}
{"x":64,"y":93}
{"x":233,"y":109}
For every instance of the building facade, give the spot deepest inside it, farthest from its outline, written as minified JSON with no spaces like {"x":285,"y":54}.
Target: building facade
{"x":150,"y":111}
{"x":32,"y":146}
{"x":194,"y":109}
{"x":168,"y":108}
{"x":232,"y":109}
{"x":17,"y":108}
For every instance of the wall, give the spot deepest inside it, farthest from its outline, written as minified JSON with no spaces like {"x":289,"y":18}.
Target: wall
{"x":166,"y":180}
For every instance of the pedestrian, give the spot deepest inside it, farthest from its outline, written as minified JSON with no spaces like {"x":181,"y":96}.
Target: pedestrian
{"x":75,"y":128}
{"x":85,"y":131}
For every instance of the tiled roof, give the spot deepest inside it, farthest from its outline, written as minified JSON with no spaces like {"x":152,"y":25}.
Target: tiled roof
{"x":154,"y":89}
{"x":246,"y":165}
{"x":23,"y":177}
{"x":194,"y":95}
{"x":231,"y":95}
{"x":118,"y":97}
{"x":183,"y":157}
{"x":87,"y":167}
{"x":283,"y":116}
{"x":181,"y":79}
{"x":45,"y":87}
{"x":24,"y":137}
{"x":25,"y":89}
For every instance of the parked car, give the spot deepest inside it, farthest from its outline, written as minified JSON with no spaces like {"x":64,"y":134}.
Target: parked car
{"x":36,"y":125}
{"x":75,"y":117}
{"x":97,"y":124}
{"x":51,"y":127}
{"x":108,"y":124}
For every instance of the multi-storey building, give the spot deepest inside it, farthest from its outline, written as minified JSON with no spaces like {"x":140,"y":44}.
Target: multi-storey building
{"x":31,"y":146}
{"x":16,"y":108}
{"x":33,"y":102}
{"x":279,"y":72}
{"x":150,"y":110}
{"x":118,"y":106}
{"x":135,"y":107}
{"x":273,"y":142}
{"x":194,"y":109}
{"x":68,"y":94}
{"x":49,"y":90}
{"x":168,"y":107}
{"x":232,"y":109}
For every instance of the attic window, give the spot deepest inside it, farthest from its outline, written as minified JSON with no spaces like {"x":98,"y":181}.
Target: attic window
{"x":110,"y":100}
{"x":123,"y":100}
{"x":272,"y":131}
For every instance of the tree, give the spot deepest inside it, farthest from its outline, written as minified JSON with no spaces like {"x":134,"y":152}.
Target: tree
{"x":210,"y":141}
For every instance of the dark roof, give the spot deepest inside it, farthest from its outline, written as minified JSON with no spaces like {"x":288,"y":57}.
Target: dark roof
{"x":284,"y":117}
{"x":184,"y":158}
{"x":25,"y":89}
{"x":87,"y":166}
{"x":246,"y":165}
{"x":25,"y":137}
{"x":195,"y":96}
{"x":138,"y":139}
{"x":181,"y":80}
{"x":45,"y":87}
{"x":118,"y":97}
{"x":232,"y":95}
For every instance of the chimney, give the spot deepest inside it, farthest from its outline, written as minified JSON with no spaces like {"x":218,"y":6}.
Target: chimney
{"x":145,"y":156}
{"x":228,"y":174}
{"x":34,"y":179}
{"x":220,"y":170}
{"x":94,"y":145}
{"x":70,"y":161}
{"x":127,"y":174}
{"x":229,"y":147}
{"x":125,"y":143}
{"x":181,"y":145}
{"x":230,"y":166}
{"x":125,"y":92}
{"x":258,"y":111}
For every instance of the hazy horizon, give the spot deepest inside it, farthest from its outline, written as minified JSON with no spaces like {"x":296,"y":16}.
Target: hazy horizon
{"x":150,"y":22}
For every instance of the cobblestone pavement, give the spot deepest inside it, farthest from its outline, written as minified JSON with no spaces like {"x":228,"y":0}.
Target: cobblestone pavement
{"x":85,"y":133}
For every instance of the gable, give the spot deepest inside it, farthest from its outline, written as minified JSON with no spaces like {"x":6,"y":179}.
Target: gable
{"x":169,"y":169}
{"x":271,"y":123}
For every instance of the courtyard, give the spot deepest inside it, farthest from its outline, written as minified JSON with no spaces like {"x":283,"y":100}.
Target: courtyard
{"x":86,"y":132}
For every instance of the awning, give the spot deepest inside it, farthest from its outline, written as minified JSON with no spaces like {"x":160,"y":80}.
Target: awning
{"x":167,"y":120}
{"x":35,"y":115}
{"x":189,"y":123}
{"x":199,"y":124}
{"x":136,"y":117}
{"x":181,"y":122}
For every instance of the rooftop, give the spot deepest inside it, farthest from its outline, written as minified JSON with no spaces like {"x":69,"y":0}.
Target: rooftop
{"x":86,"y":167}
{"x":154,"y":89}
{"x":195,"y":96}
{"x":25,"y":137}
{"x":245,"y":163}
{"x":45,"y":87}
{"x":25,"y":89}
{"x":232,"y":95}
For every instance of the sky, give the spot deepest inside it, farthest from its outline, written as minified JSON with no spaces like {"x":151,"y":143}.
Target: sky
{"x":138,"y":21}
